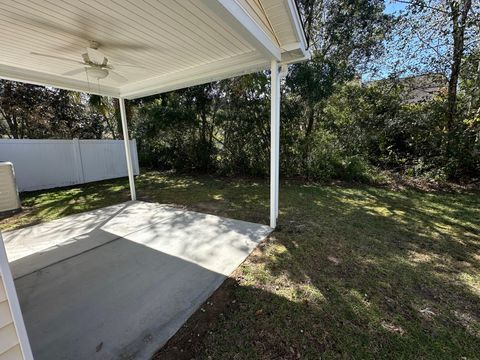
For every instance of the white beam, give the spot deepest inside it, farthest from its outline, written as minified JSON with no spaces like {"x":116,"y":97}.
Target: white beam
{"x":239,"y":20}
{"x":61,"y":82}
{"x":128,"y":153}
{"x":274,"y":141}
{"x":218,"y":70}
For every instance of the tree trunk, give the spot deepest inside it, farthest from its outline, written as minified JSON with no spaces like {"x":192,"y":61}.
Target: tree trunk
{"x":8,"y":112}
{"x":110,"y":127}
{"x":12,"y":126}
{"x":459,"y":15}
{"x":476,"y":89}
{"x":311,"y":121}
{"x":307,"y":140}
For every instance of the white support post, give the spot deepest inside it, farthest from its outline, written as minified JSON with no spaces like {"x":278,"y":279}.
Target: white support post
{"x":128,"y":153}
{"x":274,"y":141}
{"x":9,"y":293}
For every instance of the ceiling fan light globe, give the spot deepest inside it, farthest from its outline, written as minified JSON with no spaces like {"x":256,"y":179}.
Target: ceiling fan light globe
{"x":97,"y":73}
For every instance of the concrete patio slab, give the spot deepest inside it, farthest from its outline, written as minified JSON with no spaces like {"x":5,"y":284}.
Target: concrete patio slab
{"x":121,"y":283}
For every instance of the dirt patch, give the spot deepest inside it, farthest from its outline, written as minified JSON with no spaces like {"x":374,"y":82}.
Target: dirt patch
{"x":187,"y":342}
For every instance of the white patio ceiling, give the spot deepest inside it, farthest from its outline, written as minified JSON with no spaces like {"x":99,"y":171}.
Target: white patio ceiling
{"x":174,"y":44}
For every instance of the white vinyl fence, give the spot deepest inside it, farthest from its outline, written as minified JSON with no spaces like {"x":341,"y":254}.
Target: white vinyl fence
{"x":45,"y":164}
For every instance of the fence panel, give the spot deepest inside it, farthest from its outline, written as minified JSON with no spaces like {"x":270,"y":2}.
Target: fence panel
{"x":45,"y":164}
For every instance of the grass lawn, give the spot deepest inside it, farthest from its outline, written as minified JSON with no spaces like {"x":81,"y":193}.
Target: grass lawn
{"x":351,"y":272}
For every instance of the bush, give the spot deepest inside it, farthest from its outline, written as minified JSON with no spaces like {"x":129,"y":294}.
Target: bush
{"x":224,"y":128}
{"x":328,"y":161}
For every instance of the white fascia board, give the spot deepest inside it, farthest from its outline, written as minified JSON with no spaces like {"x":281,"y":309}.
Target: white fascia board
{"x":292,"y":46}
{"x":219,"y":70}
{"x":38,"y":78}
{"x":297,"y":22}
{"x":240,"y":21}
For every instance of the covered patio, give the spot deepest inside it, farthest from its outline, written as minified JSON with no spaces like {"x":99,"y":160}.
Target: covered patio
{"x":118,"y":282}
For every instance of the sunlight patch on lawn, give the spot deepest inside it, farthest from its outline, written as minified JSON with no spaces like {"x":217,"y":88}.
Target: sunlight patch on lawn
{"x":301,"y":293}
{"x":443,"y":228}
{"x":168,"y":181}
{"x":421,"y":257}
{"x":361,"y":300}
{"x":469,"y":322}
{"x":218,"y":197}
{"x":366,"y":204}
{"x":472,"y":281}
{"x":393,"y":328}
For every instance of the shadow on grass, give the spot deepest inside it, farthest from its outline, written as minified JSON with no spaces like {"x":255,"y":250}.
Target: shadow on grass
{"x":254,"y":323}
{"x":398,"y":271}
{"x":350,"y":272}
{"x":240,"y":199}
{"x":42,"y":206}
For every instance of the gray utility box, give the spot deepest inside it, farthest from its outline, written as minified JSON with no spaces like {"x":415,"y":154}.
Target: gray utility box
{"x":9,"y":199}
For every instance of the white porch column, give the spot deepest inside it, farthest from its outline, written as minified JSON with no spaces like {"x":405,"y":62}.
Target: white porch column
{"x":274,"y":141}
{"x":128,"y":154}
{"x":14,"y":326}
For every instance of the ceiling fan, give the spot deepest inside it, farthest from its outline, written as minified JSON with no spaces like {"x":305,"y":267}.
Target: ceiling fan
{"x":95,"y":64}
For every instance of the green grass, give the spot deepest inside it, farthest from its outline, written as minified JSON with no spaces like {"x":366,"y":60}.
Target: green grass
{"x":351,"y":272}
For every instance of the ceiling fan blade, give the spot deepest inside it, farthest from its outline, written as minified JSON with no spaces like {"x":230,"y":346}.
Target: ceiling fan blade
{"x":123,"y":45}
{"x":128,"y":65}
{"x":117,"y":77}
{"x":69,"y":48}
{"x":56,"y":57}
{"x":81,"y":29}
{"x":74,"y":72}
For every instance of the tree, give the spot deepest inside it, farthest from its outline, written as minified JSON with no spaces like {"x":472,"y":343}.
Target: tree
{"x":37,"y":112}
{"x":459,"y":15}
{"x":244,"y":135}
{"x":109,"y":110}
{"x":470,"y":83}
{"x":344,"y":36}
{"x":24,"y":109}
{"x":69,"y":117}
{"x":436,"y":36}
